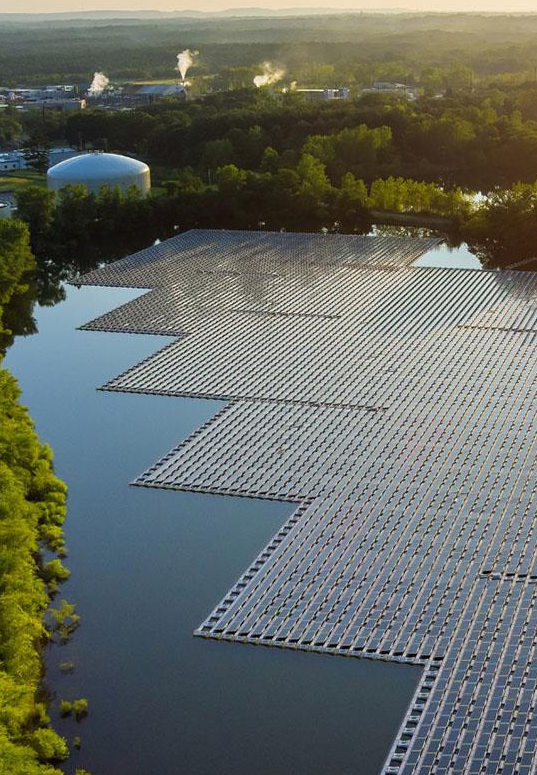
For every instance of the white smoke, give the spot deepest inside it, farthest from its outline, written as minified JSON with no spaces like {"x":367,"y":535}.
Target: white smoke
{"x":185,"y":60}
{"x":291,"y":87}
{"x":270,"y":75}
{"x":98,"y":85}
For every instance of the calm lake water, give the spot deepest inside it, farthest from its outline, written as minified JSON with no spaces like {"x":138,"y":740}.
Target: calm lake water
{"x":148,"y":565}
{"x":446,"y":256}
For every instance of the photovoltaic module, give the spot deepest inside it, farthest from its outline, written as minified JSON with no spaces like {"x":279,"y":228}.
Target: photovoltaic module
{"x":395,"y":405}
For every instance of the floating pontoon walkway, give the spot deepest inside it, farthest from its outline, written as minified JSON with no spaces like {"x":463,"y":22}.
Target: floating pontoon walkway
{"x":396,"y":406}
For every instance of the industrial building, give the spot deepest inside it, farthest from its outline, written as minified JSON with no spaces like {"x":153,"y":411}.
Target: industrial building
{"x":95,"y":170}
{"x":146,"y":93}
{"x":387,"y":87}
{"x":324,"y":95}
{"x":15,"y":161}
{"x":53,"y":97}
{"x":57,"y":104}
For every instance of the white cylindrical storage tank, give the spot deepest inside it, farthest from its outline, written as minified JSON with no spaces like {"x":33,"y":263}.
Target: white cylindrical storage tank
{"x":95,"y":170}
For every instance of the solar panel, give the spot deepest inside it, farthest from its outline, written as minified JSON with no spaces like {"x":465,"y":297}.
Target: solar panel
{"x":395,"y":406}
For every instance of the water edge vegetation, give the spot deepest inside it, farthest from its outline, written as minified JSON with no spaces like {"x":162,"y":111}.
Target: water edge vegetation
{"x":32,"y":513}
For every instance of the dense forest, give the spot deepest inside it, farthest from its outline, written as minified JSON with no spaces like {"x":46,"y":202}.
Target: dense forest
{"x":479,"y":140}
{"x":353,"y":49}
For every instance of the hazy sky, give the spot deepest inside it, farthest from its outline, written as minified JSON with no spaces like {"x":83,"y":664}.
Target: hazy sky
{"x":8,"y":6}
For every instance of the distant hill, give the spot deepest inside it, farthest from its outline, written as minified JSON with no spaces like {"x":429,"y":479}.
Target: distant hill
{"x":189,"y":14}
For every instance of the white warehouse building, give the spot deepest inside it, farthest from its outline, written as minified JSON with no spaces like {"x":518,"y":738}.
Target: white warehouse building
{"x":12,"y":161}
{"x":95,"y":170}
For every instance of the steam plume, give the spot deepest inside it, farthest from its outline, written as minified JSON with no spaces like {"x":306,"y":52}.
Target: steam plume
{"x":270,"y":75}
{"x":291,"y":87}
{"x":99,"y":84}
{"x":185,"y":60}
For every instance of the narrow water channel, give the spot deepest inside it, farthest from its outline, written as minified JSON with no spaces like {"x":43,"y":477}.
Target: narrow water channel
{"x":148,"y":565}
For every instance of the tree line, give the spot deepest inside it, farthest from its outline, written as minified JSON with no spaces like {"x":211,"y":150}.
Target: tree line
{"x":249,"y":159}
{"x":475,"y":140}
{"x":70,"y":232}
{"x":297,"y":199}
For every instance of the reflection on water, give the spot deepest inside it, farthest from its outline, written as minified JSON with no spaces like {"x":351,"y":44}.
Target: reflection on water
{"x":148,"y":565}
{"x":444,"y":255}
{"x":47,"y":286}
{"x":455,"y":254}
{"x":450,"y":253}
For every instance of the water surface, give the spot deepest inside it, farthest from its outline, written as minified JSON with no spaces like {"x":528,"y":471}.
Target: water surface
{"x":147,"y":567}
{"x":444,"y":255}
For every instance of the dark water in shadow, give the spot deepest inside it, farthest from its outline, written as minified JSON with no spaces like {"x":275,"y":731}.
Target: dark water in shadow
{"x":147,"y":566}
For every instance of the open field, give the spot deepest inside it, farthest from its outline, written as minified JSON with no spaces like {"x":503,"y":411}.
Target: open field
{"x":21,"y":180}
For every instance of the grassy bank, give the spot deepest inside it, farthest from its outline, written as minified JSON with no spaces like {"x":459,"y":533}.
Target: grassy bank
{"x":21,"y":180}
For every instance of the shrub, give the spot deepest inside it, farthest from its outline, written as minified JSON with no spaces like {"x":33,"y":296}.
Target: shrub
{"x":48,"y":745}
{"x":80,"y":708}
{"x":66,"y":708}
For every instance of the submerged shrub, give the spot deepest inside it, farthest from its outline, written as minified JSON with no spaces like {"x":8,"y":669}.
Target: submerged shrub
{"x":80,"y":708}
{"x":66,"y":708}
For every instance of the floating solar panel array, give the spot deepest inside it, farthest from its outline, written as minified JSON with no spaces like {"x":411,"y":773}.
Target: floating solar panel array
{"x":396,"y":406}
